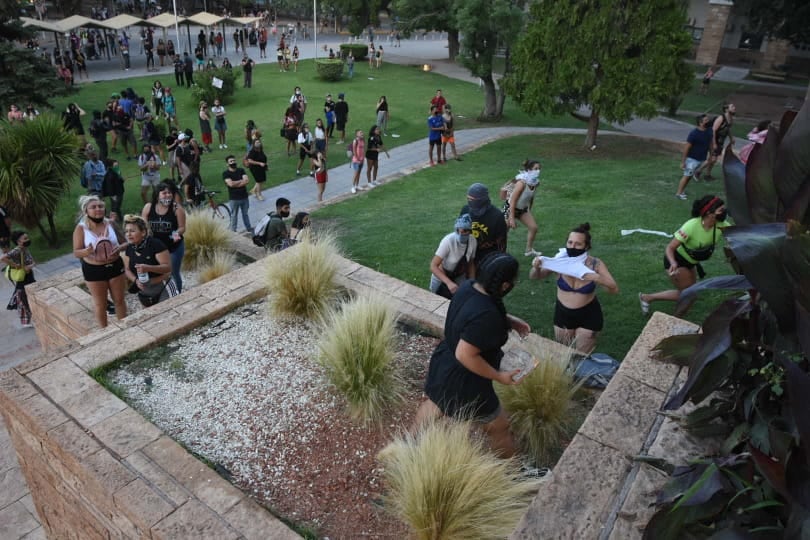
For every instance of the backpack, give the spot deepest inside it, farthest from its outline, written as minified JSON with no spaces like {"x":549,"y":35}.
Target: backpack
{"x":596,"y":370}
{"x":350,"y":150}
{"x":259,"y":231}
{"x":139,"y":112}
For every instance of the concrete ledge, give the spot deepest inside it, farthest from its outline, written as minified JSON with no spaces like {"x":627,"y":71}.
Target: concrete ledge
{"x":597,"y":489}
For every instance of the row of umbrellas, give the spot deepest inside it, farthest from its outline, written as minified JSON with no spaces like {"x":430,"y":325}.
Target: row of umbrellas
{"x":119,"y":22}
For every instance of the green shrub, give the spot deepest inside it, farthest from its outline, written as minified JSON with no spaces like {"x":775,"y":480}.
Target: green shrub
{"x":205,"y":236}
{"x":544,"y":411}
{"x":357,"y":351}
{"x":302,"y":282}
{"x":359,"y":50}
{"x":204,"y":90}
{"x":444,"y":484}
{"x":218,"y":265}
{"x":329,"y":69}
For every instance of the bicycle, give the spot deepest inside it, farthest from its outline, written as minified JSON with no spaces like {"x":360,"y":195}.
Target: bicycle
{"x":218,"y":210}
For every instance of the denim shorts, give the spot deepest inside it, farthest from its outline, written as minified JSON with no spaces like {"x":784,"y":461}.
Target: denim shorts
{"x":691,"y":166}
{"x":357,"y":166}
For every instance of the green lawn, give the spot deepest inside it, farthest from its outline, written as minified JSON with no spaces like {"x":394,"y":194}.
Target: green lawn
{"x":624,"y":185}
{"x":407,"y":89}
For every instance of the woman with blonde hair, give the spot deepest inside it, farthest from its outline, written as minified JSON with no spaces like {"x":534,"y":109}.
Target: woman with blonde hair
{"x":99,"y":247}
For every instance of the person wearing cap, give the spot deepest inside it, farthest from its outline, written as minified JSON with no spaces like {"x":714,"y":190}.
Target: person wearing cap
{"x":341,"y":116}
{"x":488,"y":226}
{"x":519,"y":205}
{"x":454,"y":261}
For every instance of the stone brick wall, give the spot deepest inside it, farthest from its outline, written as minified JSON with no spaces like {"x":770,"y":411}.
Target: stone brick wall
{"x":96,"y":468}
{"x":597,"y":489}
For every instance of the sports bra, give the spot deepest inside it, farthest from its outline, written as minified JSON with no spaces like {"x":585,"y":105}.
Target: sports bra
{"x":588,"y":288}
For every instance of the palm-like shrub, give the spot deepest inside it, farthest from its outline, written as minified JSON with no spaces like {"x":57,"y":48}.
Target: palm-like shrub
{"x":302,"y":283}
{"x":38,"y":162}
{"x":445,"y":484}
{"x":205,"y":236}
{"x":357,"y":352}
{"x":220,"y":264}
{"x":543,"y":409}
{"x":329,"y":69}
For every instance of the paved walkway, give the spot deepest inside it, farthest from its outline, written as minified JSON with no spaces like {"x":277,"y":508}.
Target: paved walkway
{"x":17,"y":515}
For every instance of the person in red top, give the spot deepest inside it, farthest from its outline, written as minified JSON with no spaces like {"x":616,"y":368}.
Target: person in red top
{"x":438,"y":101}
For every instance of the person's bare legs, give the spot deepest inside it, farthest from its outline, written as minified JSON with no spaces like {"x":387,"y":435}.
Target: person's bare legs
{"x":682,"y":184}
{"x":500,"y":436}
{"x":117,"y":286}
{"x":427,"y":411}
{"x":565,"y":336}
{"x":321,"y":187}
{"x":585,"y":340}
{"x":683,"y":278}
{"x":528,"y":220}
{"x":98,"y":291}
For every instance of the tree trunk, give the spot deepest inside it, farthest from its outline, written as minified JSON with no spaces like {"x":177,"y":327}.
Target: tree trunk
{"x":490,"y":111}
{"x":593,"y":126}
{"x":507,"y":68}
{"x":453,"y":45}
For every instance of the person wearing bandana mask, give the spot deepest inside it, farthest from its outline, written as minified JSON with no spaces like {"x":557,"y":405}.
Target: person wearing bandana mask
{"x":693,"y":243}
{"x":167,"y":222}
{"x":453,"y":262}
{"x":519,"y":205}
{"x":97,"y":244}
{"x":488,"y":226}
{"x":577,"y":313}
{"x":468,"y":359}
{"x":20,"y":257}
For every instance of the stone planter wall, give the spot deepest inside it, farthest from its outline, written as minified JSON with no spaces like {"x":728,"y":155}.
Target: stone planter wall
{"x":63,"y":308}
{"x":598,"y":490}
{"x":97,"y":469}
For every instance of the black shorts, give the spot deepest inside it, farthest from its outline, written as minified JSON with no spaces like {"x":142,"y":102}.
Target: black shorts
{"x":102,"y":272}
{"x":588,"y":317}
{"x":718,"y":150}
{"x":436,"y":142}
{"x":519,"y":212}
{"x":683,"y":263}
{"x":470,"y":396}
{"x":341,"y":125}
{"x":303,"y":154}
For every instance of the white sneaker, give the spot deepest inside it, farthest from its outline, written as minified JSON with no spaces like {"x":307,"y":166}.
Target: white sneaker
{"x":645,"y":306}
{"x":371,"y":185}
{"x":224,"y":146}
{"x":354,"y":190}
{"x":220,"y":147}
{"x":376,"y":183}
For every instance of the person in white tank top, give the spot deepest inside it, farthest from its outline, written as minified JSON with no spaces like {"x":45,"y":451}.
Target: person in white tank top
{"x":519,"y":206}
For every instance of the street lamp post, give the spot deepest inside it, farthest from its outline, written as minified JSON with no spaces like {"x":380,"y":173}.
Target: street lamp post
{"x":315,"y":24}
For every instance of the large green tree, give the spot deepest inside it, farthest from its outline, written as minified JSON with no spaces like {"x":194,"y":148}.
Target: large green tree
{"x":25,"y":77}
{"x":413,"y":15}
{"x":619,"y":58}
{"x":38,"y":161}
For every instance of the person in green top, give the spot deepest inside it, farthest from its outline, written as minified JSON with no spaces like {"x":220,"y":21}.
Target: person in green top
{"x":694,"y":242}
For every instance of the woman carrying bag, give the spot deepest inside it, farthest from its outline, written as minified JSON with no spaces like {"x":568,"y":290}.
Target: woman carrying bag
{"x":20,"y":271}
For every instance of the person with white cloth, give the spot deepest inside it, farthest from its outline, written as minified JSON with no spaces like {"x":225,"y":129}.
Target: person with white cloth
{"x":454,"y":261}
{"x":577,"y":314}
{"x":519,"y":205}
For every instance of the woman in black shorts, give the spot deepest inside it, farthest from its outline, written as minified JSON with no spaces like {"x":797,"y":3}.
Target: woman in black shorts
{"x":98,"y":245}
{"x":464,"y":364}
{"x":577,"y":314}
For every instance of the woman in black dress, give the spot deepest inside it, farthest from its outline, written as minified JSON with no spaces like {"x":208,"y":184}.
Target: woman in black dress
{"x":256,"y":161}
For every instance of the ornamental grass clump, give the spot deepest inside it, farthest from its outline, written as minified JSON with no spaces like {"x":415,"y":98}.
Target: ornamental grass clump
{"x":220,"y":264}
{"x":444,"y":484}
{"x":205,"y":236}
{"x":357,"y":352}
{"x":302,"y":282}
{"x":543,"y":409}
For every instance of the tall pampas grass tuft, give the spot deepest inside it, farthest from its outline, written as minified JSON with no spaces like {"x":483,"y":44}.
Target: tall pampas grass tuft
{"x":445,"y":485}
{"x":220,"y":264}
{"x":205,"y":236}
{"x":302,"y":283}
{"x":357,"y":352}
{"x":544,"y":410}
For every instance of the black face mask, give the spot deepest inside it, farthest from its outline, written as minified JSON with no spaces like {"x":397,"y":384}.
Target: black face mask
{"x":231,"y":165}
{"x":27,"y":243}
{"x":575,"y":252}
{"x":96,"y":220}
{"x":721,"y":216}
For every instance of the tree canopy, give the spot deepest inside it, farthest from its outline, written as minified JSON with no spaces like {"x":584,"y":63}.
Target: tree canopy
{"x":785,"y":19}
{"x":25,"y":77}
{"x":620,"y":58}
